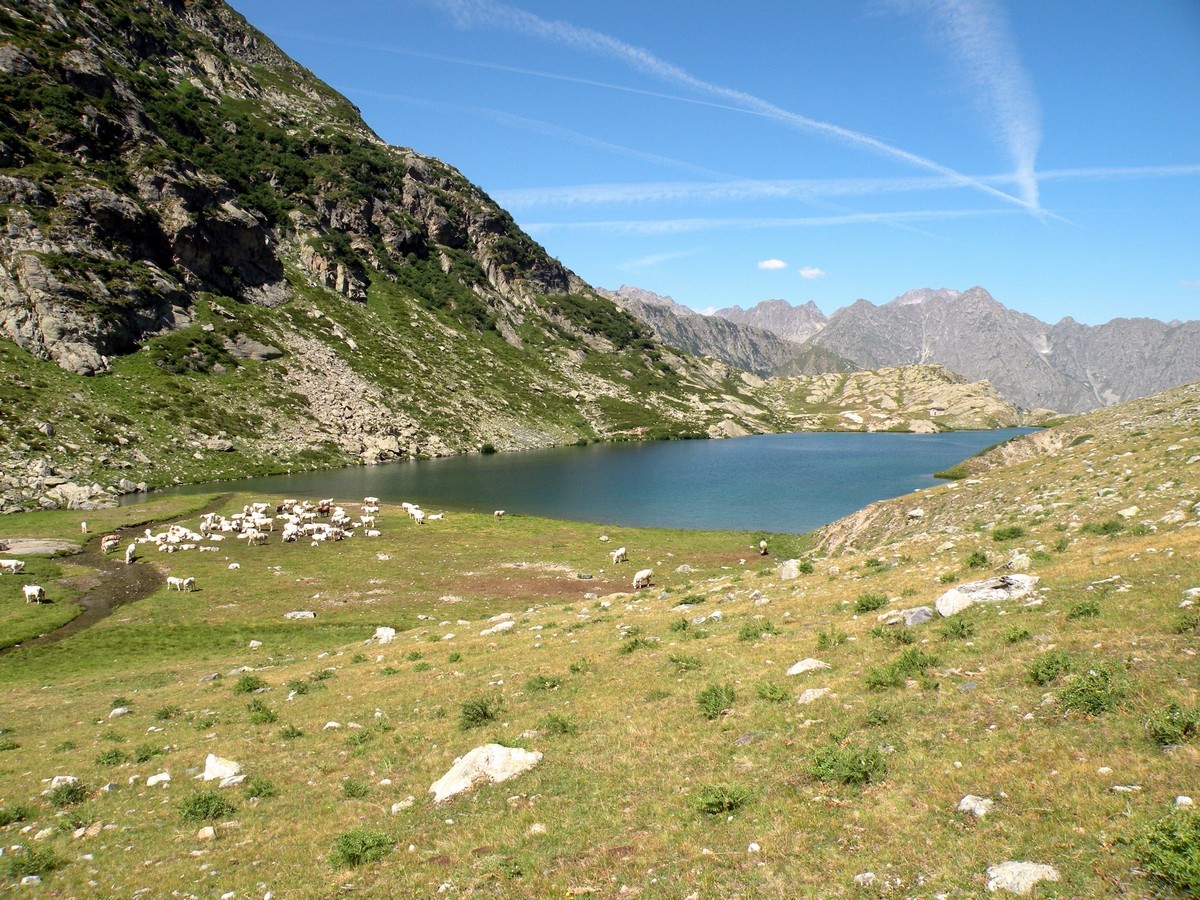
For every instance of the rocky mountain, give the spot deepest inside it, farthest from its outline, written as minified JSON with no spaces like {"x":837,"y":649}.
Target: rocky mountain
{"x":743,"y":346}
{"x":793,"y":323}
{"x":210,"y":266}
{"x":1068,"y":366}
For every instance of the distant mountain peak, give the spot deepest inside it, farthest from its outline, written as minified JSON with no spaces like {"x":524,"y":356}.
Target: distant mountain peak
{"x":793,"y":323}
{"x":924,"y":295}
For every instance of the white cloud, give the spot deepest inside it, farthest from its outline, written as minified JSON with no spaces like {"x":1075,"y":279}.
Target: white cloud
{"x":772,"y":264}
{"x":1186,"y":283}
{"x":811,"y":272}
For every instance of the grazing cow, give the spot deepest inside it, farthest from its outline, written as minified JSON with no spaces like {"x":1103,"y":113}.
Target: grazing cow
{"x":762,"y":547}
{"x":499,"y":514}
{"x":618,"y":555}
{"x":35,"y":593}
{"x":642,"y":579}
{"x":12,"y":566}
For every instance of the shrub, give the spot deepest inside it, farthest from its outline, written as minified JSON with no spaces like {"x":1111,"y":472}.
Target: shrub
{"x":1094,"y":692}
{"x":1169,"y":850}
{"x":323,"y":674}
{"x":362,"y":845}
{"x":260,"y":713}
{"x":290,"y":732}
{"x":977,"y":560}
{"x":578,"y":667}
{"x":1007,"y":533}
{"x":1015,"y":634}
{"x":894,"y":635}
{"x":30,"y":860}
{"x":422,"y":667}
{"x":913,"y":660}
{"x":1062,"y":544}
{"x":1084,"y":609}
{"x":478,"y":711}
{"x":805,"y":567}
{"x":543,"y":683}
{"x":1111,"y":528}
{"x":68,"y":794}
{"x":454,"y":657}
{"x":882,"y":677}
{"x":413,"y":655}
{"x":18,"y":812}
{"x":358,"y":658}
{"x":556,"y":724}
{"x":257,"y":786}
{"x":1172,"y":724}
{"x":715,"y":699}
{"x":389,"y":670}
{"x":206,"y":806}
{"x":298,"y":686}
{"x":720,"y":799}
{"x":1050,"y":666}
{"x":865,"y":603}
{"x":876,"y":716}
{"x":957,"y":628}
{"x":772,"y":692}
{"x":691,"y":600}
{"x":846,"y":765}
{"x":1188,"y":623}
{"x":635,"y":643}
{"x":143,"y":753}
{"x":112,"y":757}
{"x":756,"y":628}
{"x":354,"y":789}
{"x":684,"y":663}
{"x":948,"y":577}
{"x":248,"y":684}
{"x":829,"y":638}
{"x":163,"y":713}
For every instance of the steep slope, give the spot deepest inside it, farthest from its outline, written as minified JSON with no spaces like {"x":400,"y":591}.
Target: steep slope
{"x":745,"y":347}
{"x":233,"y":259}
{"x":1067,"y":367}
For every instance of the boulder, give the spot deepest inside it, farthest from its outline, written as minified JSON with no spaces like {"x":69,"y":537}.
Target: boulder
{"x":219,"y":768}
{"x":383,"y":635}
{"x":497,"y":628}
{"x":808,"y":665}
{"x":300,"y":614}
{"x":909,"y":618}
{"x":1018,"y":877}
{"x":789,"y":570}
{"x":990,"y":590}
{"x":811,"y":695}
{"x":976,"y":806}
{"x":492,"y":763}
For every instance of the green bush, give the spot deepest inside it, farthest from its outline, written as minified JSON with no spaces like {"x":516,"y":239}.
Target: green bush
{"x":30,"y":860}
{"x":865,"y":603}
{"x":715,"y":699}
{"x":558,"y":724}
{"x":163,"y":713}
{"x":1015,"y":634}
{"x":143,"y":753}
{"x":1007,"y":533}
{"x":1111,"y":528}
{"x":112,"y":757}
{"x":1169,"y":850}
{"x":772,"y":692}
{"x":1051,"y":665}
{"x":543,"y":683}
{"x":637,"y":642}
{"x":977,"y":560}
{"x":1094,"y":692}
{"x":68,"y":794}
{"x":362,"y":845}
{"x":756,"y":628}
{"x":829,"y":638}
{"x":894,"y":635}
{"x":685,"y":663}
{"x":206,"y":806}
{"x":720,"y":799}
{"x":957,"y":628}
{"x":257,"y":786}
{"x":290,"y":732}
{"x":1187,"y":623}
{"x":478,"y":711}
{"x":1084,"y":609}
{"x":355,"y":789}
{"x":18,"y":812}
{"x":422,"y":667}
{"x":260,"y":713}
{"x":413,"y":655}
{"x":846,"y":765}
{"x":1172,"y":724}
{"x":248,"y":684}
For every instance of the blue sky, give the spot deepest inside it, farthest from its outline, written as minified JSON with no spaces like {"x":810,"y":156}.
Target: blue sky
{"x":725,"y":153}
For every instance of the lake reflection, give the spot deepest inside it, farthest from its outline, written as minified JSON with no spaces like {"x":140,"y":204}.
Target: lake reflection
{"x":776,"y":482}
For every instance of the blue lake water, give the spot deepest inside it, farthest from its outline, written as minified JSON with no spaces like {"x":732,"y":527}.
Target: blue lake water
{"x":776,"y":483}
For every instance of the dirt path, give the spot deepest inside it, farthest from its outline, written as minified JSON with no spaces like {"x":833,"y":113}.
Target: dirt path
{"x":109,"y":586}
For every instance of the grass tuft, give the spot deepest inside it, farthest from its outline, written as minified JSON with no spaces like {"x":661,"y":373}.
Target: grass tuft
{"x":358,"y":847}
{"x":206,"y":806}
{"x":715,"y":699}
{"x":720,"y":799}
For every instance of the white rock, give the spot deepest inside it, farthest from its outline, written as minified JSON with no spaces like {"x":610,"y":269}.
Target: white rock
{"x":254,"y":645}
{"x":1018,"y":877}
{"x":976,"y":806}
{"x":160,"y":778}
{"x":991,"y":590}
{"x":207,"y":833}
{"x":331,"y":725}
{"x":537,"y":828}
{"x":808,"y":665}
{"x":789,"y":570}
{"x":1128,"y":512}
{"x":31,"y":880}
{"x":118,"y":712}
{"x":491,"y":762}
{"x":403,"y":804}
{"x":1184,"y":802}
{"x":754,"y":847}
{"x":497,"y":628}
{"x":864,"y":879}
{"x":383,"y":635}
{"x":47,"y":832}
{"x":811,"y":695}
{"x":219,"y":768}
{"x":300,"y":614}
{"x":60,"y":780}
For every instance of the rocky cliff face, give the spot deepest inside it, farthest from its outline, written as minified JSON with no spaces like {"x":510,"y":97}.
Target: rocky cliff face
{"x":1066,"y":367}
{"x":792,"y":323}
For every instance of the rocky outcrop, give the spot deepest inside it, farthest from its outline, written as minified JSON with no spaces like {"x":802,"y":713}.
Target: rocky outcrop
{"x":792,"y":323}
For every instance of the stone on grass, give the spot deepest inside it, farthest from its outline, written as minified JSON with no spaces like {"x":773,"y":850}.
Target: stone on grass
{"x":976,"y":806}
{"x":990,"y":590}
{"x":254,"y":645}
{"x":219,"y":768}
{"x":404,"y":804}
{"x":808,"y":665}
{"x":300,"y":614}
{"x":864,"y":879}
{"x":497,"y":628}
{"x":383,"y":635}
{"x":909,"y":618}
{"x":810,"y":695}
{"x":1019,"y":877}
{"x":491,"y":762}
{"x":118,"y":712}
{"x":1184,"y":802}
{"x":789,"y":570}
{"x":160,"y":778}
{"x":30,"y":880}
{"x":60,"y":780}
{"x":207,"y":833}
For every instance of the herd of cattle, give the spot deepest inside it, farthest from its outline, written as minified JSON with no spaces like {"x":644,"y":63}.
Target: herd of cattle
{"x":297,"y":520}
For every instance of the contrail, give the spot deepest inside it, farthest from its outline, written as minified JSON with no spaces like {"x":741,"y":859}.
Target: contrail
{"x":485,"y":12}
{"x":978,"y":33}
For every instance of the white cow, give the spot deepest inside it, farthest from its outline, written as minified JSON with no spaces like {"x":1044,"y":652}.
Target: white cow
{"x":618,"y":555}
{"x":642,"y":579}
{"x":34,"y":593}
{"x":12,"y":566}
{"x":499,"y":514}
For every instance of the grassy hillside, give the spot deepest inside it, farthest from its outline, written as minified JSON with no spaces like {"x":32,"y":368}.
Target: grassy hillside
{"x":677,"y":758}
